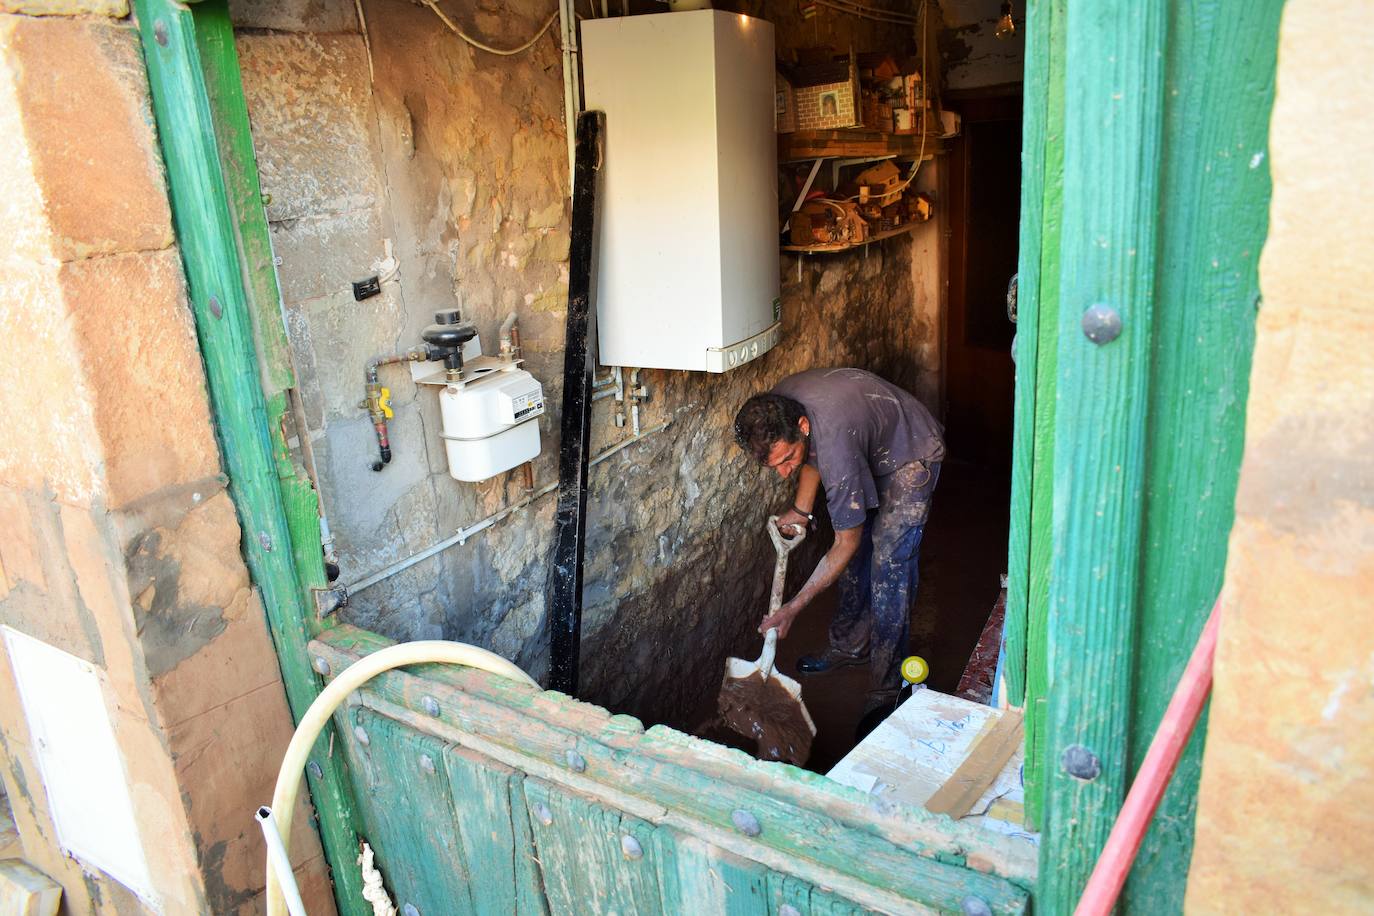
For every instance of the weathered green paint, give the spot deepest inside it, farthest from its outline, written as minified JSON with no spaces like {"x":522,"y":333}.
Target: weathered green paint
{"x":1165,"y":195}
{"x":1047,"y":331}
{"x":302,"y":505}
{"x":1113,"y":112}
{"x":449,"y":827}
{"x":787,"y":889}
{"x":1037,"y":329}
{"x":828,"y":833}
{"x":409,"y":813}
{"x":238,"y":162}
{"x":492,"y":821}
{"x":694,"y":875}
{"x":208,"y":240}
{"x":229,"y":109}
{"x":1023,"y":425}
{"x":1216,"y":195}
{"x":582,"y":856}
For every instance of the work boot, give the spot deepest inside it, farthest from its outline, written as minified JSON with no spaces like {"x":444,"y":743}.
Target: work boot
{"x":829,"y":660}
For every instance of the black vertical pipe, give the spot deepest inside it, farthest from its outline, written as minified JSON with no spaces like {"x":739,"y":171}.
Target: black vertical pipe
{"x":570,"y":524}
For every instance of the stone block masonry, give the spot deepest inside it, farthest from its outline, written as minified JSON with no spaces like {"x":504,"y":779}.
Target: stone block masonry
{"x":121,"y":545}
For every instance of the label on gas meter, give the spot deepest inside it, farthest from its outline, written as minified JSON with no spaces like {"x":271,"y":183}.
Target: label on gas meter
{"x":525,"y":404}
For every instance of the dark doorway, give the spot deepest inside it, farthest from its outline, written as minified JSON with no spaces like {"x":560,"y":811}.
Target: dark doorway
{"x":985,"y":212}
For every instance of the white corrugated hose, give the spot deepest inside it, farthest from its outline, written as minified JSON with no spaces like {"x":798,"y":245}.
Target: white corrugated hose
{"x":315,"y":718}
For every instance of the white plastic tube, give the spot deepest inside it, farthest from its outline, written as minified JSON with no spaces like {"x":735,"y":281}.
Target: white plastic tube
{"x":313,"y":722}
{"x":276,"y":854}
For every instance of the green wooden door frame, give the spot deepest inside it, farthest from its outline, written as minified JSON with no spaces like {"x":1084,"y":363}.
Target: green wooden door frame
{"x":1028,"y":547}
{"x":1107,"y":266}
{"x":1146,"y":191}
{"x":202,"y":125}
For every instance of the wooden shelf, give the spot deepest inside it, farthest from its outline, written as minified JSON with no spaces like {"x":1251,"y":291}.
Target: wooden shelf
{"x":802,"y":145}
{"x":834,"y":247}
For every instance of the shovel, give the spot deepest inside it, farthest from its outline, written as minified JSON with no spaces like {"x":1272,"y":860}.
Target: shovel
{"x":757,"y":701}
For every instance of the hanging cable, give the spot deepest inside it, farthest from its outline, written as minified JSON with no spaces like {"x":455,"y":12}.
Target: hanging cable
{"x":453,"y":27}
{"x":874,"y":8}
{"x":867,"y":12}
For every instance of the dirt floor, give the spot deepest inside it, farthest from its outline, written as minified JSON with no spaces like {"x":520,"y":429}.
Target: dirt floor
{"x":962,"y":558}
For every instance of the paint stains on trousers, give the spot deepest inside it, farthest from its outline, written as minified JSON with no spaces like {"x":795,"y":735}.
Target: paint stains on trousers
{"x":878,"y":587}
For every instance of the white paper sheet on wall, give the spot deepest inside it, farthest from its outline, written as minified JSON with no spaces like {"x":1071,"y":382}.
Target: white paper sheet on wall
{"x":80,"y":762}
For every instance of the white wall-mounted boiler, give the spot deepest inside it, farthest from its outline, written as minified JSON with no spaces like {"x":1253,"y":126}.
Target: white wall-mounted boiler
{"x":687,"y":276}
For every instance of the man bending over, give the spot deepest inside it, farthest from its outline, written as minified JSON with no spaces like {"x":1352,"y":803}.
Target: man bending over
{"x":877,"y":451}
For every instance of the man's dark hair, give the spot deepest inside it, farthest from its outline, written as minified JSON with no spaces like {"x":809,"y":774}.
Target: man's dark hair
{"x":766,"y":419}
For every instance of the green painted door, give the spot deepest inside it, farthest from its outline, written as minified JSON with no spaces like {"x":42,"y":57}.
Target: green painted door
{"x":1144,"y":210}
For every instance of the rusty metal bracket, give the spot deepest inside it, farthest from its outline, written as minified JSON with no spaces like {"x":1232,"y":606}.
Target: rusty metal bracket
{"x":329,"y":600}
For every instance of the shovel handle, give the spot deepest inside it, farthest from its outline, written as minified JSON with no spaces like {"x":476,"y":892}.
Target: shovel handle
{"x":770,"y":649}
{"x":783,"y":546}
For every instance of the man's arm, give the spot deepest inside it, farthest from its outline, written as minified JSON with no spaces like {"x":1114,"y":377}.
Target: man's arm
{"x":824,"y":576}
{"x":808,"y":484}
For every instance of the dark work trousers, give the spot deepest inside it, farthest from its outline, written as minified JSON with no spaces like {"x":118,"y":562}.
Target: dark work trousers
{"x":878,"y":586}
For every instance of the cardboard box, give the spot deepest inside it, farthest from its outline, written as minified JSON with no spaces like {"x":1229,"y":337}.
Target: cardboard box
{"x":828,"y":106}
{"x":827,"y":95}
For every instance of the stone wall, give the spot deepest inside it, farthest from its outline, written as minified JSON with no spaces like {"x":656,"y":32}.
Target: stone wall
{"x":1286,"y":805}
{"x":120,"y":544}
{"x":459,"y":159}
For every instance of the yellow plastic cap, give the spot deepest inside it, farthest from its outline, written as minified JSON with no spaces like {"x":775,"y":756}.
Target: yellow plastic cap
{"x":914,"y":669}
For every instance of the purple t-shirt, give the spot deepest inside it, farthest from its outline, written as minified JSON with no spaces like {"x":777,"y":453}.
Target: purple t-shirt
{"x":862,"y":427}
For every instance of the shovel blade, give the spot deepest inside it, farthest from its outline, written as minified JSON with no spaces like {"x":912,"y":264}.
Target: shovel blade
{"x":771,"y":712}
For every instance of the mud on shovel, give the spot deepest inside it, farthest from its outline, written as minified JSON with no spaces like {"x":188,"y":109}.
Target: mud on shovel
{"x":757,"y":701}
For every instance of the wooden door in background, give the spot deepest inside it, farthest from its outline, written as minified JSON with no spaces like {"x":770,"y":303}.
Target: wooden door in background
{"x":984,"y":211}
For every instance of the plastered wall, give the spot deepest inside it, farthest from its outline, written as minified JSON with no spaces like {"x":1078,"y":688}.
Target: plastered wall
{"x":1286,"y":805}
{"x":118,"y":541}
{"x":459,"y":158}
{"x":972,"y":55}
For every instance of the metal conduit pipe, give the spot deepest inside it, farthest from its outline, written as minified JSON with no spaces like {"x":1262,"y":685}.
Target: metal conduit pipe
{"x":462,"y":534}
{"x":639,"y":394}
{"x":572,"y":95}
{"x":313,"y":722}
{"x":618,"y":374}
